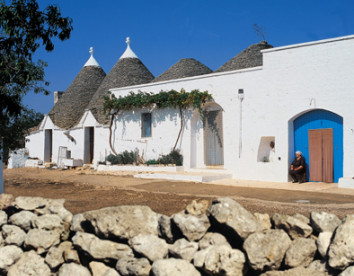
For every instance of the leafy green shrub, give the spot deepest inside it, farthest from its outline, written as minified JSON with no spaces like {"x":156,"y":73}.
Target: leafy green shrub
{"x":152,"y":162}
{"x":114,"y":159}
{"x":174,"y":157}
{"x":127,"y":157}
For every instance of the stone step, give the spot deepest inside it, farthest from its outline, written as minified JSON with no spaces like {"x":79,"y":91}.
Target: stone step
{"x":185,"y":176}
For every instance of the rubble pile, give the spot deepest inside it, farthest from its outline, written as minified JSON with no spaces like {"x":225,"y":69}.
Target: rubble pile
{"x":40,"y":237}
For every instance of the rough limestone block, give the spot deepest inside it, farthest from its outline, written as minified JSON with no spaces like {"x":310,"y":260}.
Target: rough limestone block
{"x":220,"y":260}
{"x":3,"y":218}
{"x":73,"y":269}
{"x":266,"y":250}
{"x":212,"y":239}
{"x":227,"y":211}
{"x":301,"y":252}
{"x":341,"y":250}
{"x":100,"y":269}
{"x":150,"y":246}
{"x":13,"y":234}
{"x":323,"y":242}
{"x":41,"y":240}
{"x":124,"y":222}
{"x":173,"y":267}
{"x":133,"y":266}
{"x":192,"y":227}
{"x":23,"y":219}
{"x":324,"y":222}
{"x":30,"y":264}
{"x":9,"y":255}
{"x":264,"y":220}
{"x":183,"y":249}
{"x":101,"y":249}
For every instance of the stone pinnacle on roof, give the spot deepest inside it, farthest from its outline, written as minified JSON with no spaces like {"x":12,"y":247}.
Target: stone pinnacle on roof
{"x":128,"y":70}
{"x":91,"y":61}
{"x":68,"y":110}
{"x":128,"y":52}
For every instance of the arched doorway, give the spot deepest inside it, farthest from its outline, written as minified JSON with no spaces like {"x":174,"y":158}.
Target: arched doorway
{"x":318,"y":134}
{"x":213,"y":135}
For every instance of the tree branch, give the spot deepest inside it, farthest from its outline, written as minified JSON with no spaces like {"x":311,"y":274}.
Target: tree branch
{"x":181,"y":128}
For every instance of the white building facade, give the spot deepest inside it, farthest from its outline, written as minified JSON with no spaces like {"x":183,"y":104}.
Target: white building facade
{"x":300,"y":98}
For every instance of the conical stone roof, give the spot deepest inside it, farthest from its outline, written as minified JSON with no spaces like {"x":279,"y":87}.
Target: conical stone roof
{"x":69,"y":109}
{"x":128,"y":70}
{"x":187,"y":67}
{"x":251,"y":57}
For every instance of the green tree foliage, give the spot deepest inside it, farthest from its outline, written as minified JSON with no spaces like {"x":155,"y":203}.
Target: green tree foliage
{"x":17,"y":129}
{"x":24,"y":28}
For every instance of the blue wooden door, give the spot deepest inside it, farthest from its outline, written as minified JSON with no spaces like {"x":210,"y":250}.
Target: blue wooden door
{"x":320,"y":119}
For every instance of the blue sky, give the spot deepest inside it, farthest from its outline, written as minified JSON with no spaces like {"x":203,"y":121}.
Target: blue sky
{"x":164,"y":31}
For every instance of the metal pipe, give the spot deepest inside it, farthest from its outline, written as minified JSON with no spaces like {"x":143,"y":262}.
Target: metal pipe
{"x":241,"y":96}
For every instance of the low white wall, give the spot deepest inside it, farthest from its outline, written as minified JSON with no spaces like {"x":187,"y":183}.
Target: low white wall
{"x":17,"y":159}
{"x":117,"y":168}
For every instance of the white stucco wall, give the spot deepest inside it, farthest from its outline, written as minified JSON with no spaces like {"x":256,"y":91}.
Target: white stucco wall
{"x":35,"y":145}
{"x":165,"y":126}
{"x":292,"y":80}
{"x":17,"y":159}
{"x":315,"y":75}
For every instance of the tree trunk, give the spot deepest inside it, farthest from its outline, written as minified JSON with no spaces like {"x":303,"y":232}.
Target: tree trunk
{"x":181,"y":128}
{"x":110,"y":133}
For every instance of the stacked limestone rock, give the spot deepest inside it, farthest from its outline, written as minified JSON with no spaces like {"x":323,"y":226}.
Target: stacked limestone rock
{"x":40,"y":237}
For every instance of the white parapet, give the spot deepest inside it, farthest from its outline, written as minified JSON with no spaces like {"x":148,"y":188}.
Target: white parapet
{"x":33,"y":163}
{"x":346,"y":182}
{"x":72,"y":162}
{"x":107,"y":168}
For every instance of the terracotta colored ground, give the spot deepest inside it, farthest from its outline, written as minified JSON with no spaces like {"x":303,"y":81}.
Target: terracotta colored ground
{"x":88,"y":190}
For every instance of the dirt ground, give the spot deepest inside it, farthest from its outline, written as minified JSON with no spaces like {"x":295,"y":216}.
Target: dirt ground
{"x":88,"y":190}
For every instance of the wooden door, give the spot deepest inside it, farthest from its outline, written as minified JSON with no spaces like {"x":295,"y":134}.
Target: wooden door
{"x":321,"y":154}
{"x":92,"y":142}
{"x":213,"y":138}
{"x":89,"y":145}
{"x":48,"y":145}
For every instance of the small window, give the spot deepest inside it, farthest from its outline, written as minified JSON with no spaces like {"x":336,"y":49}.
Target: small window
{"x":146,"y":125}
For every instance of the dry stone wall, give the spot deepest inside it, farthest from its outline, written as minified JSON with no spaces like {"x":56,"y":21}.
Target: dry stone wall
{"x":40,"y":237}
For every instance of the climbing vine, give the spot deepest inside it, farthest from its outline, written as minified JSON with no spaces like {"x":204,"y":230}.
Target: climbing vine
{"x":163,"y":99}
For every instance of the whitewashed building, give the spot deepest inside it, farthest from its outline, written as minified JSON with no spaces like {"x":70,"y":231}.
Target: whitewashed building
{"x":300,"y":97}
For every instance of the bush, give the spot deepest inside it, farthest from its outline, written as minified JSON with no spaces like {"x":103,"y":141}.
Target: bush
{"x":152,"y":162}
{"x":127,"y":157}
{"x":174,"y":157}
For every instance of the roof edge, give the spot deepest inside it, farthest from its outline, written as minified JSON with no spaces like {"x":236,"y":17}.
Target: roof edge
{"x":311,"y":43}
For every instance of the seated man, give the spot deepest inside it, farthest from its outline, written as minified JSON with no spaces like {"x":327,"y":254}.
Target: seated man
{"x":298,"y":169}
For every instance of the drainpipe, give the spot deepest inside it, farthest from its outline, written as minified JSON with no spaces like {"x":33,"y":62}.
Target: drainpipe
{"x":241,"y":96}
